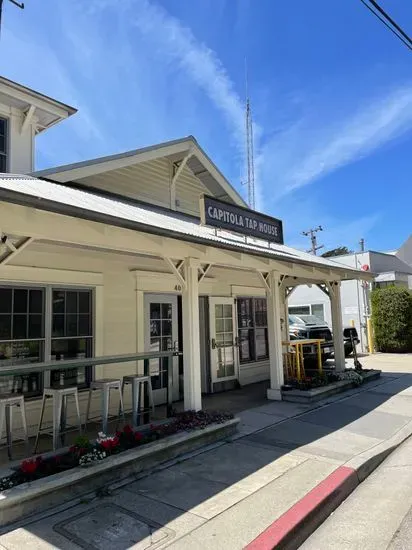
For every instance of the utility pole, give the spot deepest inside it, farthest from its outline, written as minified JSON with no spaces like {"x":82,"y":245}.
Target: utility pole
{"x":18,"y":4}
{"x":362,"y":245}
{"x":312,"y":234}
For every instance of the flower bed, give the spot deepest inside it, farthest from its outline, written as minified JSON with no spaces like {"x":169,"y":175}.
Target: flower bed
{"x":85,"y":452}
{"x":318,"y":380}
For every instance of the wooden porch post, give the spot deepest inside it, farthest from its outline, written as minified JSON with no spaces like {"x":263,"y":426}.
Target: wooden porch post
{"x":191,"y":337}
{"x":337,"y":325}
{"x":274,"y":313}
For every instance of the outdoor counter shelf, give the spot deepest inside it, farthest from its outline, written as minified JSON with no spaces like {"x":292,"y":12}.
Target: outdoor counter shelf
{"x":18,"y":370}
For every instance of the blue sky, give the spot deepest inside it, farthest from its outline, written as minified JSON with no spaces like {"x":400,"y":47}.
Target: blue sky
{"x":331,"y":93}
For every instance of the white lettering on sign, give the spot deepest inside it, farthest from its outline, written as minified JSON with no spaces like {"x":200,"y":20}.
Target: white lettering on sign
{"x":246,"y":222}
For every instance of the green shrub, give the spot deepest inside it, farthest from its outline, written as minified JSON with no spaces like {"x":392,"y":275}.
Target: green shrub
{"x":392,"y":319}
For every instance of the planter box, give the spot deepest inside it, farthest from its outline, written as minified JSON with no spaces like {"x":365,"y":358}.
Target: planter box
{"x":316,"y":394}
{"x":48,"y":492}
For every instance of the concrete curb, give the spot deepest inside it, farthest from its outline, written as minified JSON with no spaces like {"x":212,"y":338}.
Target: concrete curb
{"x":291,"y":529}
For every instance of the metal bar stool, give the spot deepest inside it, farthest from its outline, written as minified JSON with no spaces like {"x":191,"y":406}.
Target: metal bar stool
{"x":137,"y":381}
{"x":60,"y":397}
{"x":105,"y":385}
{"x":7,"y":402}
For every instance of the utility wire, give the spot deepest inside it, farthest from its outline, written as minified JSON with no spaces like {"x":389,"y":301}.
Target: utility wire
{"x":388,"y":21}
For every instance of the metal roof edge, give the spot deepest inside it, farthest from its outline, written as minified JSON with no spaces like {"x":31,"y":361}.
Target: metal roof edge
{"x":48,"y":205}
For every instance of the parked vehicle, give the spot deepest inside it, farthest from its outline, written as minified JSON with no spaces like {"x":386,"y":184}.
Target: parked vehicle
{"x":347,"y":342}
{"x":308,"y":327}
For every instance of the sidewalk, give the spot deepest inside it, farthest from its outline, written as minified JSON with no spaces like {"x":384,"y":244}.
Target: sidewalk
{"x":227,"y":495}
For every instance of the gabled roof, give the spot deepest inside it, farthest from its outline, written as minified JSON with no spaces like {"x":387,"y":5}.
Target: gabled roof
{"x":47,"y":110}
{"x":198,"y":162}
{"x":62,"y":199}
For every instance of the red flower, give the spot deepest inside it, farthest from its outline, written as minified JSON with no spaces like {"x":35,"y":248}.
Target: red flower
{"x":127,"y":429}
{"x":30,"y":465}
{"x":138,"y":436}
{"x":110,"y":443}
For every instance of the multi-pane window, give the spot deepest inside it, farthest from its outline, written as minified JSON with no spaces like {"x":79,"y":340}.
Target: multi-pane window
{"x":71,"y":334}
{"x":161,"y":339}
{"x":22,"y":338}
{"x":253,"y":332}
{"x":3,"y":145}
{"x":27,"y":337}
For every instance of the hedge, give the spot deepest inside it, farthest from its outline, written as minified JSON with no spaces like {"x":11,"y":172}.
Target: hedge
{"x":392,"y":319}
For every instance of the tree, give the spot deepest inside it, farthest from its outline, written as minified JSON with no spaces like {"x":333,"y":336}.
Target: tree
{"x":339,"y":251}
{"x":392,"y":319}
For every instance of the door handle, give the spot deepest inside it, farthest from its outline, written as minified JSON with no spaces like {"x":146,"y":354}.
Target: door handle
{"x":214,"y":343}
{"x":236,"y":344}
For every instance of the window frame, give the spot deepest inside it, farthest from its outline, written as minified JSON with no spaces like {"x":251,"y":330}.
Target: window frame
{"x":310,"y":306}
{"x":5,"y":153}
{"x":45,"y":378}
{"x":252,"y":330}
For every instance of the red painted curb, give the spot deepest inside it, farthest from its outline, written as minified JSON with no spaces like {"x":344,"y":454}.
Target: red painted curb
{"x":336,"y":487}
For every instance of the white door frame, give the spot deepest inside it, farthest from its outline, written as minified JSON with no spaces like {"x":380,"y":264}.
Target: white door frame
{"x":160,"y":395}
{"x":214,"y":350}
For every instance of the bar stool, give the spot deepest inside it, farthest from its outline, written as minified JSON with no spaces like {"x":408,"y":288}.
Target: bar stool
{"x":105,"y":385}
{"x":137,"y":381}
{"x":60,"y":397}
{"x":7,"y":402}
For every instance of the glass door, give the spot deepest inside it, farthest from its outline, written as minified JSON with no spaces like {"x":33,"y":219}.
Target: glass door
{"x":223,"y":341}
{"x":162,"y":335}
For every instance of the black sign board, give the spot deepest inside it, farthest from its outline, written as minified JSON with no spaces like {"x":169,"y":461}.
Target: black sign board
{"x":241,"y":220}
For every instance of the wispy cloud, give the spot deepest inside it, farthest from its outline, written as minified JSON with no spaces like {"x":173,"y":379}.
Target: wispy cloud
{"x":312,"y":148}
{"x":178,"y":43}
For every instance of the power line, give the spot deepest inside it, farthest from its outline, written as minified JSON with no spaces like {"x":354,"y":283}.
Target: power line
{"x":388,"y":22}
{"x":15,"y":2}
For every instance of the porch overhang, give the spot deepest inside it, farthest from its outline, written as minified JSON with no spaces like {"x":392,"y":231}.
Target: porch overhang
{"x":36,"y":209}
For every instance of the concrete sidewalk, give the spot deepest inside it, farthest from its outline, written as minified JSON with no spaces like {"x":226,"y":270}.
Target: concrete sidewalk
{"x":225,"y":496}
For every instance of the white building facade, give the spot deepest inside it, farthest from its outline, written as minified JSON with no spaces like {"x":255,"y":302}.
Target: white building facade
{"x":110,"y":257}
{"x":393,"y":268}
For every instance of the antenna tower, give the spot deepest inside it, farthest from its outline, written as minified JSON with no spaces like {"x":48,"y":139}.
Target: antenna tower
{"x":250,"y":162}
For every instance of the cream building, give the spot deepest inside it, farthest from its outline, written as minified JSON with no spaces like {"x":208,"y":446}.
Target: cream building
{"x":110,"y":256}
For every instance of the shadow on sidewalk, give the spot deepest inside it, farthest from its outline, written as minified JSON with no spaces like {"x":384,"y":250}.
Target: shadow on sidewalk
{"x":276,"y":443}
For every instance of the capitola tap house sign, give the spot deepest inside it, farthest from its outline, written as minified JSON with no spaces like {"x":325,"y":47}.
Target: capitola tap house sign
{"x":240,"y":220}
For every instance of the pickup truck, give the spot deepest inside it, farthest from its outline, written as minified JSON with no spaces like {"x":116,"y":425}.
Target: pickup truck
{"x":310,"y":326}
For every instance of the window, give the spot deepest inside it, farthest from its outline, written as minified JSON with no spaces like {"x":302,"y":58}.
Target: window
{"x":3,"y":145}
{"x":318,"y":310}
{"x":253,"y":332}
{"x":22,"y":338}
{"x":299,"y":310}
{"x":27,"y":336}
{"x":71,"y":334}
